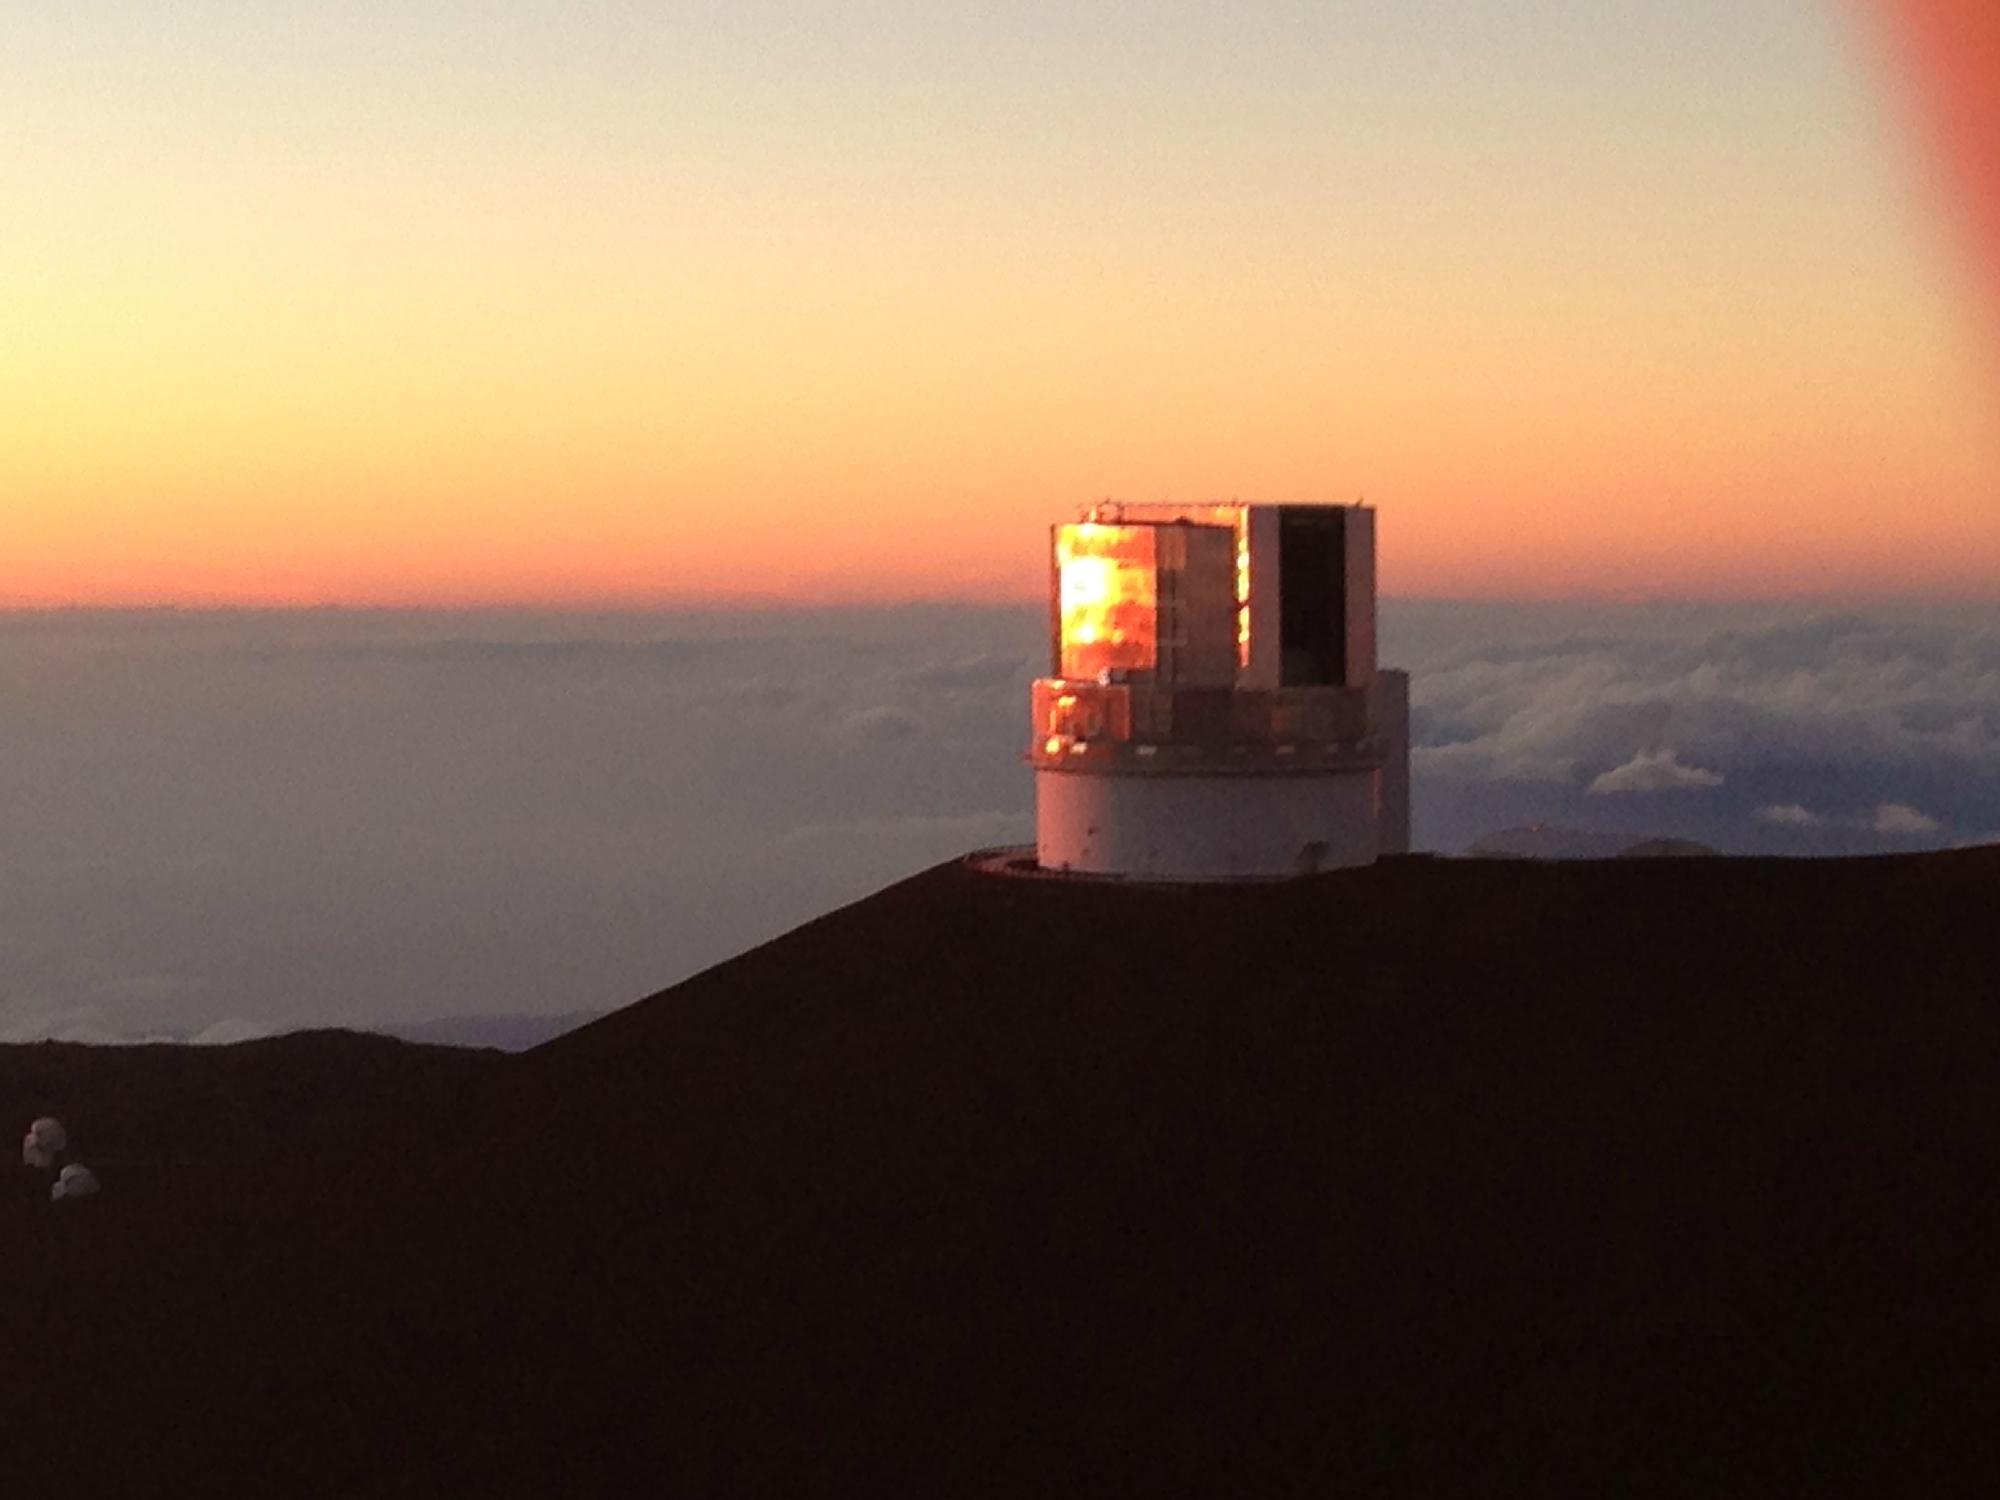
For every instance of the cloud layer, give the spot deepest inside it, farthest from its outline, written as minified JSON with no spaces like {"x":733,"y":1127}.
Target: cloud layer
{"x":1653,"y":771}
{"x":215,"y":826}
{"x":1768,"y":731}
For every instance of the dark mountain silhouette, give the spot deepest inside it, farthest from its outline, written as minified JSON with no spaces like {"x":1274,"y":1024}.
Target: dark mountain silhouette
{"x":504,"y":1033}
{"x":1668,"y":848}
{"x":1626,"y":1177}
{"x":163,"y":1106}
{"x":1551,"y":841}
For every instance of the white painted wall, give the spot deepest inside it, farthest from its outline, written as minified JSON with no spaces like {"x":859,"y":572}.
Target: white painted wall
{"x":1164,"y":827}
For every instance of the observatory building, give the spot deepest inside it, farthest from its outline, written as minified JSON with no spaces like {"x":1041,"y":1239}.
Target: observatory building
{"x":1213,"y":709}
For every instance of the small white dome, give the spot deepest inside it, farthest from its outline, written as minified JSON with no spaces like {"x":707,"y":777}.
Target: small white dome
{"x":35,"y":1154}
{"x":74,"y":1181}
{"x":49,"y":1131}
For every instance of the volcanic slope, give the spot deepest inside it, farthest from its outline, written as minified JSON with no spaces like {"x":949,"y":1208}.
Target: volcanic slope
{"x":1647,"y":1175}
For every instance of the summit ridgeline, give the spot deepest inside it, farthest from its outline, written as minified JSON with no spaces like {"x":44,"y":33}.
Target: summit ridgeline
{"x":1630,"y":1175}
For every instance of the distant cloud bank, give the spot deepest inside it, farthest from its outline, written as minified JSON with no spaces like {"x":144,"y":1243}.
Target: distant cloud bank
{"x":1788,"y":815}
{"x":1653,"y":771}
{"x":1897,"y":821}
{"x":214,"y":827}
{"x":1834,"y":733}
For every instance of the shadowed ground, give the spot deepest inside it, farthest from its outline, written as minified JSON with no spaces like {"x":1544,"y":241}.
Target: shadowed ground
{"x":1640,"y":1175}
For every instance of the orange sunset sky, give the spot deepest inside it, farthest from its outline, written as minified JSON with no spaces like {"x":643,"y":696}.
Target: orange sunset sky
{"x":674,"y":304}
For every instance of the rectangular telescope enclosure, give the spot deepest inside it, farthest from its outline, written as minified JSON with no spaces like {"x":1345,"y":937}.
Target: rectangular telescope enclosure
{"x":1154,"y":600}
{"x":1213,"y":709}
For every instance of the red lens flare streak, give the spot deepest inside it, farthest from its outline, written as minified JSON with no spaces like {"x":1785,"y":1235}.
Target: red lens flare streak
{"x":1949,"y":53}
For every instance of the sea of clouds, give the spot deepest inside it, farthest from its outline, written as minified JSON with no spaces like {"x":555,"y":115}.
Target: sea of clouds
{"x":1755,"y":731}
{"x":217,"y":826}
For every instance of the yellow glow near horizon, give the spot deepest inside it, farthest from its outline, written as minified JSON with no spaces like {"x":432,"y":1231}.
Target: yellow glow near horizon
{"x":871,"y":344}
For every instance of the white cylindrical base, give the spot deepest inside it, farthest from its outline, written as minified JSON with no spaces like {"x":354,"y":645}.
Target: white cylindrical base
{"x":1164,"y":827}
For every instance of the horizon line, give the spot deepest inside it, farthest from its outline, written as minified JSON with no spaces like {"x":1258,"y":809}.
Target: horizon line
{"x":750,"y":604}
